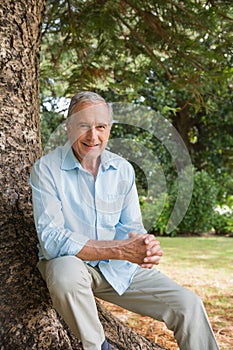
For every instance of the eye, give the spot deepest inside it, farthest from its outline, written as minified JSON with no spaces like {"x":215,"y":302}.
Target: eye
{"x":101,"y":127}
{"x":83,"y":126}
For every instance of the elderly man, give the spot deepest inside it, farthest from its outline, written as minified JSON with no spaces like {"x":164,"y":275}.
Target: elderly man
{"x":92,"y":241}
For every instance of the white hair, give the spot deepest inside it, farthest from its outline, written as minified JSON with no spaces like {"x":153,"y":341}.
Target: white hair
{"x":87,"y":96}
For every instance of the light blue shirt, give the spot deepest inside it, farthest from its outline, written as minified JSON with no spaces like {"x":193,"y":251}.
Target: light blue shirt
{"x":71,"y":207}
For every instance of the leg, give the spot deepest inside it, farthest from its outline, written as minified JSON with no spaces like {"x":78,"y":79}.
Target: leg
{"x":70,"y":287}
{"x":153,"y":294}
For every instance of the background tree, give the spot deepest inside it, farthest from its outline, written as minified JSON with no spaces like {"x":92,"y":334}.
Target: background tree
{"x":28,"y":320}
{"x":175,"y":57}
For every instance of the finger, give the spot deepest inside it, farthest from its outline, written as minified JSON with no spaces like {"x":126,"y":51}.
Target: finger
{"x":152,"y":259}
{"x":150,"y":265}
{"x":147,"y":266}
{"x":151,"y":238}
{"x":154,"y":250}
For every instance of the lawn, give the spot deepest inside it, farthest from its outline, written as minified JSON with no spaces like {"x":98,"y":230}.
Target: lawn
{"x":205,"y":265}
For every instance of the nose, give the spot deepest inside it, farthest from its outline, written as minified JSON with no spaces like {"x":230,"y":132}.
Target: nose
{"x":92,"y":132}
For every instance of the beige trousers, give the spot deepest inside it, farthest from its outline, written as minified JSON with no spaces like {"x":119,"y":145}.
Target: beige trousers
{"x":73,"y":284}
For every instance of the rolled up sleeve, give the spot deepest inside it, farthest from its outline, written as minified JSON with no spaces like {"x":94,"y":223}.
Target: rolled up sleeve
{"x":55,"y":238}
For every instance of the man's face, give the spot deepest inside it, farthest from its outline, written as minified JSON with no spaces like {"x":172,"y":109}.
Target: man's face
{"x":89,"y":129}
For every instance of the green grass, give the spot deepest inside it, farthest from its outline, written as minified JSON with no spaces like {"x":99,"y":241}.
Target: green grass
{"x":206,"y":252}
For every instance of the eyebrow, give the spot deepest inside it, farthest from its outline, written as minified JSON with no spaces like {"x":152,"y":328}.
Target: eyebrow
{"x":99,"y":123}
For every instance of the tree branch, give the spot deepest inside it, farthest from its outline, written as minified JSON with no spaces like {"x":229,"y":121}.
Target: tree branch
{"x":146,"y":47}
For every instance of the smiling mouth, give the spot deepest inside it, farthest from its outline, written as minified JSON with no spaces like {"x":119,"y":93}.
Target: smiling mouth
{"x":90,"y":146}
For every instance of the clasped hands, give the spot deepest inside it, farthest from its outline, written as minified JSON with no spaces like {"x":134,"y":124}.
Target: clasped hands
{"x":145,"y":249}
{"x":142,"y":249}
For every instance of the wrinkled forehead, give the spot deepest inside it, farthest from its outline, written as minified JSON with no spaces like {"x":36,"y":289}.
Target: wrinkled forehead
{"x":91,"y":112}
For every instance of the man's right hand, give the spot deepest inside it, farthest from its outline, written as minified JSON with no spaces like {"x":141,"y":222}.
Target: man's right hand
{"x":145,"y":249}
{"x":142,"y":249}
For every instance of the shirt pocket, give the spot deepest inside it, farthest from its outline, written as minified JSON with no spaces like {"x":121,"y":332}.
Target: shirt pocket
{"x":111,"y":210}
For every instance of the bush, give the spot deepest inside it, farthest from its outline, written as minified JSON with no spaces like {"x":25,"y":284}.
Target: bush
{"x":156,"y":213}
{"x":200,"y":216}
{"x":223,"y":221}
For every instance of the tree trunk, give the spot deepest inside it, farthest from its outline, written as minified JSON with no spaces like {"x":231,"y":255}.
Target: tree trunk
{"x":28,"y":320}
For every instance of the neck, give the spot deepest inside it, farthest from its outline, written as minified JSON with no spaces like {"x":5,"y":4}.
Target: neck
{"x":89,"y":164}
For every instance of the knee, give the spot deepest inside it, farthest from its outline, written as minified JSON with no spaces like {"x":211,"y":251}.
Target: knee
{"x":68,"y":279}
{"x":190,"y":304}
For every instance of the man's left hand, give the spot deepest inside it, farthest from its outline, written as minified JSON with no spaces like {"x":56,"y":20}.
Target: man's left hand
{"x":154,"y":252}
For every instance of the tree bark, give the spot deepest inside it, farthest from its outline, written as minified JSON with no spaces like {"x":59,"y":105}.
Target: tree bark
{"x":28,"y":320}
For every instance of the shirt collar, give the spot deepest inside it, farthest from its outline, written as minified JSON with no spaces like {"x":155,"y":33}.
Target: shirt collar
{"x":69,"y":161}
{"x":109,"y":160}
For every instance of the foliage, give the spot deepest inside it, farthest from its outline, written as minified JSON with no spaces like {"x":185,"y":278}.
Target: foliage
{"x":200,"y":216}
{"x":174,"y":57}
{"x":122,"y":45}
{"x":223,"y":221}
{"x":150,"y":209}
{"x":164,"y":51}
{"x":49,"y":121}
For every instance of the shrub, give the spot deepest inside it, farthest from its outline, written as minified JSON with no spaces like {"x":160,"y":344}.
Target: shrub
{"x":156,"y":213}
{"x":223,"y":221}
{"x":200,"y":216}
